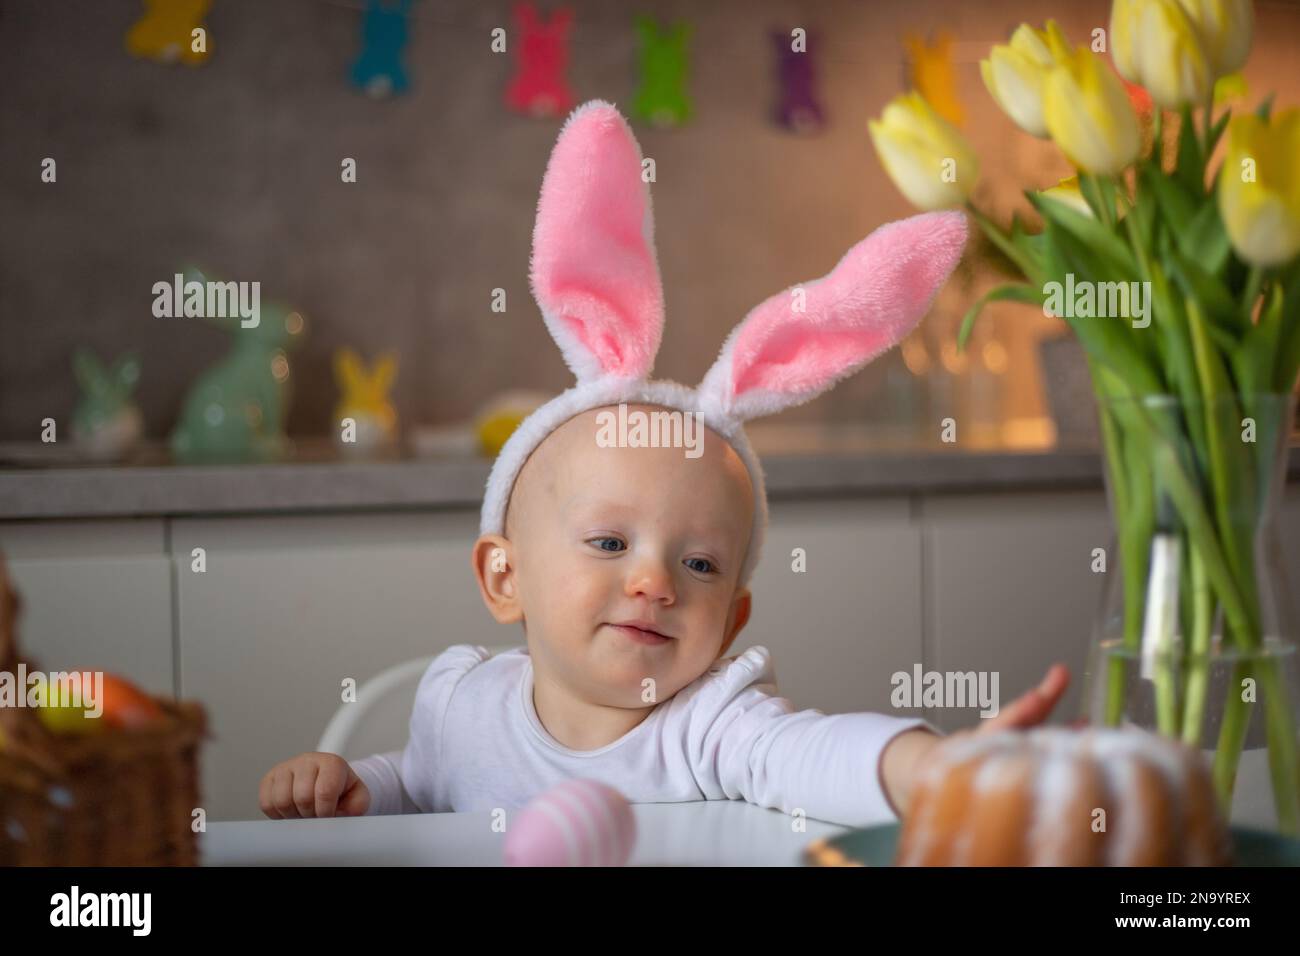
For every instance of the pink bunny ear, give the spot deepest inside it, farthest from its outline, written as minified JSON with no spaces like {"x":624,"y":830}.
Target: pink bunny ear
{"x":788,"y":351}
{"x":594,"y":271}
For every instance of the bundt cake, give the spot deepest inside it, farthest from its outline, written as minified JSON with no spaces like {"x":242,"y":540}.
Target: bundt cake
{"x":1054,"y":796}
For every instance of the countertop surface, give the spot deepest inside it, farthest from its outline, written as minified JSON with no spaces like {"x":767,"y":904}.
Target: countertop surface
{"x":798,"y":461}
{"x":702,"y":833}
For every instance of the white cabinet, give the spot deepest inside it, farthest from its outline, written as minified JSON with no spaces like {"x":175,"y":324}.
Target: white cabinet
{"x":96,"y":595}
{"x":840,"y":628}
{"x":288,"y":607}
{"x":1010,"y":590}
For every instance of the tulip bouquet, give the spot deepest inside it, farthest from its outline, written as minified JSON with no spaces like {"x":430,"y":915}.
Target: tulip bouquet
{"x":1194,"y":388}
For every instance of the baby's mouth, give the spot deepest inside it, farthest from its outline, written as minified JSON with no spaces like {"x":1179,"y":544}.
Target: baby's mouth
{"x":642,"y":632}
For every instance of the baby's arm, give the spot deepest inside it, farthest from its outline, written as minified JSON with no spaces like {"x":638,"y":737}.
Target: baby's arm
{"x":744,"y":741}
{"x":383,"y":779}
{"x":854,"y":769}
{"x":899,"y":762}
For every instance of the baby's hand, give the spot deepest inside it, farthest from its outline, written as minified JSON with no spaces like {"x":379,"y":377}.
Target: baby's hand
{"x":313,"y":785}
{"x":1030,"y":709}
{"x":906,"y":754}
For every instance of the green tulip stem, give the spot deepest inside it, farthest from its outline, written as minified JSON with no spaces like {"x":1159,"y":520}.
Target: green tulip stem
{"x":1282,"y":746}
{"x":1198,"y":665}
{"x":1232,"y":735}
{"x":1254,"y":281}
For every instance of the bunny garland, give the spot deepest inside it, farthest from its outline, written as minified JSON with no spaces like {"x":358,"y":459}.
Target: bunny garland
{"x":595,"y":276}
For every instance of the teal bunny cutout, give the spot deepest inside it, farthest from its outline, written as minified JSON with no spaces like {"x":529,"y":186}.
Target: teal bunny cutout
{"x":237,"y":408}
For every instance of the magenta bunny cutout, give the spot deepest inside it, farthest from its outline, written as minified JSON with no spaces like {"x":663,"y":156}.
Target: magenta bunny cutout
{"x":539,"y":87}
{"x":595,"y":276}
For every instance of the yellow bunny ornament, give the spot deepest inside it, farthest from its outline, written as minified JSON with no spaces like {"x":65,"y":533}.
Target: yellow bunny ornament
{"x":171,"y":31}
{"x":365,"y":419}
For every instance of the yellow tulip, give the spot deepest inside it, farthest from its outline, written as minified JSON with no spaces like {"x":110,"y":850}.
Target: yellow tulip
{"x":1156,"y":44}
{"x":1014,"y":74}
{"x":1067,"y":191}
{"x":1225,"y":27}
{"x":1259,"y":187}
{"x":1089,"y":114}
{"x":929,"y":161}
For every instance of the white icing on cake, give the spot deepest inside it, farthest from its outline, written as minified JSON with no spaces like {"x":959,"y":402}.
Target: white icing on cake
{"x":1059,"y":757}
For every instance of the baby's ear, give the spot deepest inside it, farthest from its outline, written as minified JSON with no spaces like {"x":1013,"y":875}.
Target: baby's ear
{"x":594,"y":271}
{"x":490,"y":560}
{"x":800,"y":342}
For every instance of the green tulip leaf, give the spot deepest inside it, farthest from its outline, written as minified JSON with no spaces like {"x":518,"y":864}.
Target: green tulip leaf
{"x":1288,"y":354}
{"x":1117,"y":261}
{"x":1195,"y":282}
{"x":1176,"y":202}
{"x":1003,"y":293}
{"x":1189,"y":168}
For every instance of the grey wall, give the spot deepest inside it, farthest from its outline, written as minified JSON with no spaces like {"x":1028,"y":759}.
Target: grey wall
{"x":235,"y":164}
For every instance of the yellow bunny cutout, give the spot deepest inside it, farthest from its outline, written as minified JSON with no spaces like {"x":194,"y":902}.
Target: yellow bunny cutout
{"x":171,"y":31}
{"x":365,"y":417}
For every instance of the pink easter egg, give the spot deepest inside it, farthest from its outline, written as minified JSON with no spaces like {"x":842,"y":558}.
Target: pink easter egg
{"x":578,"y":823}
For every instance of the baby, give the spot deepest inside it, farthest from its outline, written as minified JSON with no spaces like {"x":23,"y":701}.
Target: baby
{"x":628,"y":562}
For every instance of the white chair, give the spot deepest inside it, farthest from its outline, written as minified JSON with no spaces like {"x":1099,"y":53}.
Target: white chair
{"x":379,"y":720}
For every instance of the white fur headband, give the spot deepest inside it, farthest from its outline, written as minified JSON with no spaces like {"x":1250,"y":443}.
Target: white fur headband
{"x":595,"y":276}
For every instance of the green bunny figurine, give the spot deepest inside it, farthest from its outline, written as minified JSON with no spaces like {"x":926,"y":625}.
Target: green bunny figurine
{"x":236,"y":410}
{"x":106,"y":424}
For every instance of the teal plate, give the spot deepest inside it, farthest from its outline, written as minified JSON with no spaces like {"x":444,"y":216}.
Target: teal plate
{"x":876,"y":846}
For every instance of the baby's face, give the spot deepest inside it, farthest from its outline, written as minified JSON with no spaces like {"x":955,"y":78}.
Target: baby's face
{"x":603,"y":535}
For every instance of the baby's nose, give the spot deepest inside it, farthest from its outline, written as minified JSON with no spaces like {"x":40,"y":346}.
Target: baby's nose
{"x":652,"y":578}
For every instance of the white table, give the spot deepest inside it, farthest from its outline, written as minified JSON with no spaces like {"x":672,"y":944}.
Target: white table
{"x":705,"y":833}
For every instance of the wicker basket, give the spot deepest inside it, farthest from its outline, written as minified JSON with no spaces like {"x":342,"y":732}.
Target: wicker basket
{"x":112,"y":798}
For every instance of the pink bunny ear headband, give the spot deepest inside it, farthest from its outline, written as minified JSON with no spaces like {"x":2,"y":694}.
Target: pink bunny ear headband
{"x":596,"y":278}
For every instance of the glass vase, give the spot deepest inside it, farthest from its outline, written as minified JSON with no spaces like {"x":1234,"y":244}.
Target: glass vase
{"x":1196,"y":634}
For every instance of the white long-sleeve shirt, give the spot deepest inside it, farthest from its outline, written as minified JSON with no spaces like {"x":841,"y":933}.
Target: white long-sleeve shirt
{"x":476,"y":743}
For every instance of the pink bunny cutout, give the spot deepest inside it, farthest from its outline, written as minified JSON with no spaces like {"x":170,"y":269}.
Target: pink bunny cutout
{"x":595,"y":276}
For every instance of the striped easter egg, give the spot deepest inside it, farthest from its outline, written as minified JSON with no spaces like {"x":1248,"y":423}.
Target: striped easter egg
{"x":578,"y":823}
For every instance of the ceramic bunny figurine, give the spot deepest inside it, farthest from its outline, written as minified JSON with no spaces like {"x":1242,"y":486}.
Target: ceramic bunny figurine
{"x":365,"y":420}
{"x":539,"y":87}
{"x":595,"y":276}
{"x":106,"y":424}
{"x":662,"y":98}
{"x":236,"y":410}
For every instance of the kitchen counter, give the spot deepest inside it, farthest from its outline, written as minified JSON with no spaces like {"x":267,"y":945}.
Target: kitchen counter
{"x":799,"y":461}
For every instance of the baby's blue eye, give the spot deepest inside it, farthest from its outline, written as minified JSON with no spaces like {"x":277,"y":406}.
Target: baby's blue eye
{"x":596,"y":541}
{"x":706,"y":561}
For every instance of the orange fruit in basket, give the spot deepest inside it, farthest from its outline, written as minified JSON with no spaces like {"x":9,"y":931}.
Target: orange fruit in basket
{"x":125,"y":705}
{"x":122,"y":704}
